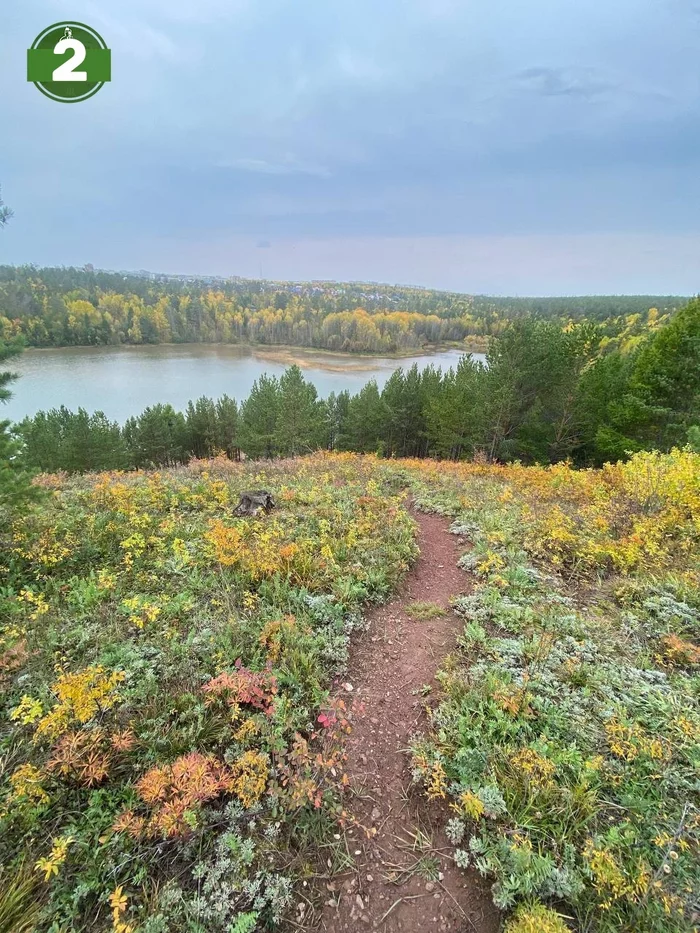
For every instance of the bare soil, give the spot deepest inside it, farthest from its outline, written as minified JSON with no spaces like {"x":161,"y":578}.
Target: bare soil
{"x":403,"y":877}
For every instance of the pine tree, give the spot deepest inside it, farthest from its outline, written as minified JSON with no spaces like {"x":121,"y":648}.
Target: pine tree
{"x":394,"y":398}
{"x":157,"y":437}
{"x":7,"y":352}
{"x":92,"y":442}
{"x":366,"y":420}
{"x":300,"y":415}
{"x":258,"y":418}
{"x":455,"y":414}
{"x":404,"y":397}
{"x":5,"y":213}
{"x":41,"y":442}
{"x":336,"y":418}
{"x":202,"y":428}
{"x":533,"y":373}
{"x":608,"y":411}
{"x":74,"y":441}
{"x":431,"y":381}
{"x":649,"y":398}
{"x":666,"y":378}
{"x":15,"y":480}
{"x":227,"y":426}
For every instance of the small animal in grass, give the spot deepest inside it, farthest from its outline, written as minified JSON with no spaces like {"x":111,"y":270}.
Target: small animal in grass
{"x":255,"y":502}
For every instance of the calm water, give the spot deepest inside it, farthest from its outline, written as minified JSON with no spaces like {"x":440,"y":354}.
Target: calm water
{"x":122,"y":381}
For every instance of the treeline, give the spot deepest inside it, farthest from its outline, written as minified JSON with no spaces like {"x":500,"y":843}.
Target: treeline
{"x":60,"y":439}
{"x":210,"y":316}
{"x":587,"y":307}
{"x":545,"y":396}
{"x":84,"y":307}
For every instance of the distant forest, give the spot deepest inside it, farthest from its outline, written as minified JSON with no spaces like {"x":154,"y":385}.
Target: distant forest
{"x":58,"y":307}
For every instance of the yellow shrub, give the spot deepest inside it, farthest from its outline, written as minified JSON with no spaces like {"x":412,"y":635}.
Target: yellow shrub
{"x":80,"y":697}
{"x":536,"y":919}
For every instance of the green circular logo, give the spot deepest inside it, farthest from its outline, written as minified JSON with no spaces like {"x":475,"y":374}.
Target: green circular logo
{"x":69,"y":62}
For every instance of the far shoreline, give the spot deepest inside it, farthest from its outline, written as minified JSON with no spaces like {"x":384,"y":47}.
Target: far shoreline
{"x":288,"y":354}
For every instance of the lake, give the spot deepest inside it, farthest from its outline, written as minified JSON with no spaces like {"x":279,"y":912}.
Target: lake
{"x":122,"y":381}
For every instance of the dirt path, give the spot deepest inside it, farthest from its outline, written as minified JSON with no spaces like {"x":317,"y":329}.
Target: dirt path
{"x":403,"y":877}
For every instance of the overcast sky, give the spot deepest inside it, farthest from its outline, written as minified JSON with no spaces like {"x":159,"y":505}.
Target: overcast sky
{"x":493,"y":146}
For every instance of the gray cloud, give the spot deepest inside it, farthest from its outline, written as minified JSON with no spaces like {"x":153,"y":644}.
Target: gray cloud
{"x":287,"y":166}
{"x":294,"y":120}
{"x":555,"y":82}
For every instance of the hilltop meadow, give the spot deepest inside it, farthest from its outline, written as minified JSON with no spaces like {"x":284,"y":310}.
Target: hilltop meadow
{"x":173,"y":748}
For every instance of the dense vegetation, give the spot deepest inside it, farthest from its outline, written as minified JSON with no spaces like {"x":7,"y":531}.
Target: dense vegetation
{"x":546,"y":395}
{"x":163,"y":667}
{"x":567,"y":741}
{"x":82,"y":307}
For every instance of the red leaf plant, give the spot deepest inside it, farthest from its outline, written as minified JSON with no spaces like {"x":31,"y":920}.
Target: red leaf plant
{"x":255,"y":688}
